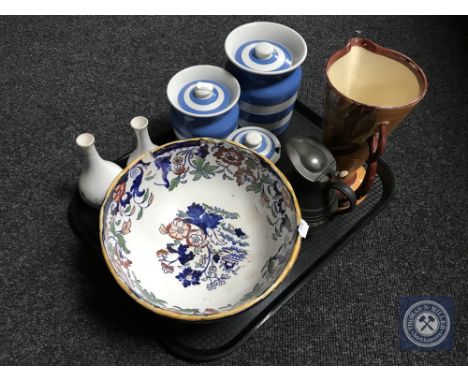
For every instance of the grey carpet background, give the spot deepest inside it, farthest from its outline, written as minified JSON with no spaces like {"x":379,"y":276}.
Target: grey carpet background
{"x":60,"y":76}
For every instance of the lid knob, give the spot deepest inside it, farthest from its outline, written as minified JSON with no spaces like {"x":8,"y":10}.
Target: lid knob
{"x":253,"y":139}
{"x":203,"y":89}
{"x":263,"y":50}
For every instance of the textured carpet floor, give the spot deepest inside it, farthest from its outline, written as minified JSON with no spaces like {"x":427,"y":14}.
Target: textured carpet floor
{"x":66,"y":75}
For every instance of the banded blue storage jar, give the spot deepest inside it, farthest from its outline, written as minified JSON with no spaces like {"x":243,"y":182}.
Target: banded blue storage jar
{"x":204,"y":102}
{"x":266,"y":57}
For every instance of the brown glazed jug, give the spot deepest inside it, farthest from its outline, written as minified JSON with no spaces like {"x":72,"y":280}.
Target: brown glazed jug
{"x":370,"y":90}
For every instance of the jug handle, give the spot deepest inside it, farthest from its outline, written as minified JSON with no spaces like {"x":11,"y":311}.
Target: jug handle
{"x":377,"y":143}
{"x":347,"y":192}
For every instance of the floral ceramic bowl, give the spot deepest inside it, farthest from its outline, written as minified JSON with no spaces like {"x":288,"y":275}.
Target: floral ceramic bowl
{"x":200,"y":229}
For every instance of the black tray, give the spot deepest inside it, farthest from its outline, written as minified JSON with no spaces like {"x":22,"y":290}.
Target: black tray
{"x":211,"y":340}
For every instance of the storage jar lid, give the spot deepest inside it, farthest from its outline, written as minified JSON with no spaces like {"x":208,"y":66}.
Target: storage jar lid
{"x":258,"y":139}
{"x":265,"y":48}
{"x":203,"y":91}
{"x":204,"y":97}
{"x":264,"y":56}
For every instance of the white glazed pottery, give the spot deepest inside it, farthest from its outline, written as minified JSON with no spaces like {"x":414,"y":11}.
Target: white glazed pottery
{"x":96,"y":173}
{"x":140,"y":127}
{"x":200,"y":229}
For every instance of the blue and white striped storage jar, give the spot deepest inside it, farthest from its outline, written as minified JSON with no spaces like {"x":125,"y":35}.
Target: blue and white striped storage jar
{"x":204,"y":102}
{"x":265,"y":58}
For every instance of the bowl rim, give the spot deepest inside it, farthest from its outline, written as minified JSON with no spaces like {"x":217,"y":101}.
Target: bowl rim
{"x":209,"y":317}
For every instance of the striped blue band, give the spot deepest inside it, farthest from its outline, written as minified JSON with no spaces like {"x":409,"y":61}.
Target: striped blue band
{"x":262,"y":116}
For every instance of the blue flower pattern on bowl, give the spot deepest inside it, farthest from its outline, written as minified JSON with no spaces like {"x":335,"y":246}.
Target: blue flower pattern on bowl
{"x":205,"y":247}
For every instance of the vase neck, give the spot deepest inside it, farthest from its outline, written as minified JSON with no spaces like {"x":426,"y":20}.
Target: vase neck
{"x":143,"y":139}
{"x":142,"y":135}
{"x":91,"y":156}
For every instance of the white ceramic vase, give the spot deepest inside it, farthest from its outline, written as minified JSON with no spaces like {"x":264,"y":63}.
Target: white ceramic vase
{"x":97,"y":174}
{"x":140,"y":127}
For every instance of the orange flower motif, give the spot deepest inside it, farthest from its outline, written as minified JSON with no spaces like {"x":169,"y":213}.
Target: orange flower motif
{"x":178,"y":229}
{"x":197,"y":238}
{"x":126,"y":227}
{"x":125,"y":263}
{"x":241,"y":175}
{"x":161,"y":252}
{"x":177,"y":160}
{"x":119,"y":192}
{"x":167,"y":268}
{"x":179,"y":169}
{"x":229,"y":156}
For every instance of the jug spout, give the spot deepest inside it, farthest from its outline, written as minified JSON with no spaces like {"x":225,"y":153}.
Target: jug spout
{"x":375,"y":76}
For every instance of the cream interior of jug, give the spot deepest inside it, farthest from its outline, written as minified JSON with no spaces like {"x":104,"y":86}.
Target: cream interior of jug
{"x":374,"y":79}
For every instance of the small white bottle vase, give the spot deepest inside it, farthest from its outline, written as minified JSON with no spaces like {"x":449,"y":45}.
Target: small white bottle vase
{"x":140,"y":127}
{"x":96,"y":175}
